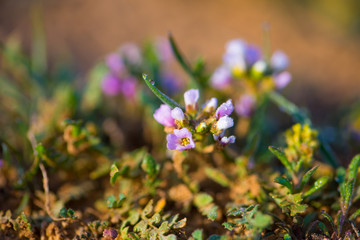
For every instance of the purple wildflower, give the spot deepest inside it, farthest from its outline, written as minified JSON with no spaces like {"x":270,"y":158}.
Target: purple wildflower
{"x":210,"y":105}
{"x":282,"y":80}
{"x":224,"y":122}
{"x":191,"y":97}
{"x":221,"y":78}
{"x":227,"y":140}
{"x":177,"y":114}
{"x":224,"y":140}
{"x":129,"y":87}
{"x":279,"y":61}
{"x":1,"y":163}
{"x":245,"y":105}
{"x":252,"y":54}
{"x":180,"y":140}
{"x":234,"y":57}
{"x":111,"y":85}
{"x":236,"y":47}
{"x":115,"y":63}
{"x":163,"y":116}
{"x":217,"y":137}
{"x":236,"y":63}
{"x":225,"y":109}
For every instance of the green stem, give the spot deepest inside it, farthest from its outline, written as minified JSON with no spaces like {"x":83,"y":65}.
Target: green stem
{"x":165,"y":99}
{"x":290,"y":108}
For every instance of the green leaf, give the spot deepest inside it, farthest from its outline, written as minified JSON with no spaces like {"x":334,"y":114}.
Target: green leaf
{"x":111,"y":201}
{"x":212,"y":213}
{"x":237,"y":211}
{"x":165,"y":99}
{"x":262,"y":221}
{"x":299,"y":164}
{"x":229,"y":226}
{"x":217,"y":176}
{"x":202,"y":199}
{"x":287,"y":237}
{"x":351,"y":181}
{"x":353,"y":167}
{"x":173,"y":220}
{"x":114,"y":174}
{"x":40,"y":150}
{"x":317,"y":186}
{"x":289,"y":108}
{"x":67,"y":213}
{"x":148,"y":208}
{"x":170,"y":237}
{"x":295,"y":198}
{"x":164,"y":227}
{"x":180,"y":224}
{"x":197,"y":235}
{"x":283,"y":181}
{"x":283,"y":159}
{"x":71,"y":213}
{"x":26,"y":221}
{"x":150,"y":166}
{"x":141,"y":226}
{"x":156,"y":218}
{"x":307,"y":176}
{"x":323,"y":228}
{"x":63,"y":212}
{"x":327,"y":153}
{"x":297,"y":208}
{"x":355,"y":214}
{"x":340,"y":175}
{"x":24,"y":202}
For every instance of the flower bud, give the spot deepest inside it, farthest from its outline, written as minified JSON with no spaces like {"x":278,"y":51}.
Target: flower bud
{"x":201,"y":127}
{"x":177,"y":114}
{"x":191,"y":97}
{"x":259,"y":69}
{"x":210,"y":105}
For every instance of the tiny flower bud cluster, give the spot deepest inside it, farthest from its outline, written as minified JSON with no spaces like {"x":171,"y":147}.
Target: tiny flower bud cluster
{"x":245,"y":62}
{"x":186,"y":128}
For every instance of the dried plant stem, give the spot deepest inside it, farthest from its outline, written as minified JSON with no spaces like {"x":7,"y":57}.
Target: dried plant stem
{"x":47,"y":195}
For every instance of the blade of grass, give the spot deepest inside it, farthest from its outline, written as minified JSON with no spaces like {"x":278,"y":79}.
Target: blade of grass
{"x":165,"y":99}
{"x":179,"y":57}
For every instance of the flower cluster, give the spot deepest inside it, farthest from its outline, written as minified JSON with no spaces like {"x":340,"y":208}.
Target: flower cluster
{"x":186,"y":128}
{"x":245,"y":65}
{"x":118,"y":80}
{"x":301,"y":143}
{"x":128,"y":63}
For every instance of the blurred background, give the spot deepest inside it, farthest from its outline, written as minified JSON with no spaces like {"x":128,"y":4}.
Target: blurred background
{"x":322,"y":38}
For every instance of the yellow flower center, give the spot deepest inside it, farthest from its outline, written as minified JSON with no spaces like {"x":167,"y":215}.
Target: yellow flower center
{"x":237,"y":71}
{"x":184,"y":141}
